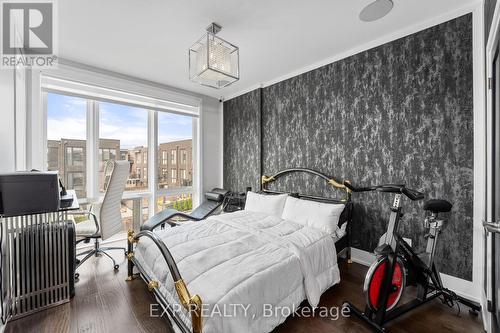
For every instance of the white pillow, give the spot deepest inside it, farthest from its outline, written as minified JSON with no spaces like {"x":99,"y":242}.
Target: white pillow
{"x":319,"y":215}
{"x":263,"y":203}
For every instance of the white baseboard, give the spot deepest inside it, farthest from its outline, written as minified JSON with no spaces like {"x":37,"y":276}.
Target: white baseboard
{"x":459,"y":286}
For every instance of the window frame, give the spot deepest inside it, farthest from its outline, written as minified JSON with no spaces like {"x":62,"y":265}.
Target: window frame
{"x":164,"y":157}
{"x":173,"y":156}
{"x":183,"y":156}
{"x":173,"y":176}
{"x":72,"y":154}
{"x":72,"y":173}
{"x":153,"y":161}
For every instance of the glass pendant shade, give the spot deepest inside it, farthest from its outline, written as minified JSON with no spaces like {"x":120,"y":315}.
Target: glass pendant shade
{"x":213,"y":62}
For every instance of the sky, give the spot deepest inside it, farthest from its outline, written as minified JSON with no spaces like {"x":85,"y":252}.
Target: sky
{"x":67,"y":119}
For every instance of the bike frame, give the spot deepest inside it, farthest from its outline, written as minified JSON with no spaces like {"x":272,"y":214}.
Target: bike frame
{"x":424,"y":275}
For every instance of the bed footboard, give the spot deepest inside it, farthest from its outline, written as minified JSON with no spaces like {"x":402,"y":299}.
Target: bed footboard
{"x":193,"y":304}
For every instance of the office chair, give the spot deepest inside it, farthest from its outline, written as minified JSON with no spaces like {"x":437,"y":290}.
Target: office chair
{"x":109,"y":222}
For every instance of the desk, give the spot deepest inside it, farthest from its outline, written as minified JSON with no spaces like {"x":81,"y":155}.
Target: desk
{"x":37,"y":261}
{"x":75,"y":205}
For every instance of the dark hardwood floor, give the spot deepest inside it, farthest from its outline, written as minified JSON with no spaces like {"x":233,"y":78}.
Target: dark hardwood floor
{"x":105,"y":302}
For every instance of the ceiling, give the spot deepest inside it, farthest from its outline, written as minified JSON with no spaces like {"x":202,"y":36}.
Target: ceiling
{"x":149,"y":39}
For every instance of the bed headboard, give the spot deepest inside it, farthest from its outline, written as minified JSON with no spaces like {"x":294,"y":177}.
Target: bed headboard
{"x":343,"y":245}
{"x":329,"y":181}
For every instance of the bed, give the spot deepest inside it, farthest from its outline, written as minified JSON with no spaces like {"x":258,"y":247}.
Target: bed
{"x":249,"y":269}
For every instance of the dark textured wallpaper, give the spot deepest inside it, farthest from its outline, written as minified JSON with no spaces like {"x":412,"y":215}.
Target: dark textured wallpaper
{"x":401,"y":112}
{"x":242,"y":142}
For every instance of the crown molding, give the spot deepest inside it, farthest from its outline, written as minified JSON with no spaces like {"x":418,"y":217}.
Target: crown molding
{"x":366,"y":46}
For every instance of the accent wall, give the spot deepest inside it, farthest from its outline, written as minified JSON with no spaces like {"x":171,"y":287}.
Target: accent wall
{"x":398,"y":113}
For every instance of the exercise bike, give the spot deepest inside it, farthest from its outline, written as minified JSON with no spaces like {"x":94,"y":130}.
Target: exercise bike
{"x":398,"y":266}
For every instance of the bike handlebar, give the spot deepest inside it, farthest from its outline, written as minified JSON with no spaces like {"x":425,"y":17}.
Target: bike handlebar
{"x":391,"y":188}
{"x":413,"y":194}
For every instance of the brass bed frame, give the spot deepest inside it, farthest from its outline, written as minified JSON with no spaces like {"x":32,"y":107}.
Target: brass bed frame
{"x":193,"y":303}
{"x":343,"y":244}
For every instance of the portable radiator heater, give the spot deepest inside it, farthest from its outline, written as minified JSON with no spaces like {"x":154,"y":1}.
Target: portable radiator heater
{"x":37,"y":263}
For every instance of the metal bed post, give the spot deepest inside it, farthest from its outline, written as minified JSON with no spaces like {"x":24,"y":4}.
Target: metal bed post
{"x":130,"y":254}
{"x":191,"y":303}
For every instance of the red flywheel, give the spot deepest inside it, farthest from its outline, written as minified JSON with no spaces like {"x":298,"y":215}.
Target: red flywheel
{"x":373,"y":283}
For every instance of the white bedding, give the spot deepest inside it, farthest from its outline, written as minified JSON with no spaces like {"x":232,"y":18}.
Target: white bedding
{"x":245,"y":258}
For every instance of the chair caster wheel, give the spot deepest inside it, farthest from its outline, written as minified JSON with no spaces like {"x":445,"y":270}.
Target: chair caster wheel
{"x":116,"y":267}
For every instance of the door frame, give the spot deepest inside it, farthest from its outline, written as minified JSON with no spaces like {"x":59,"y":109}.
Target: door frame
{"x":491,"y":49}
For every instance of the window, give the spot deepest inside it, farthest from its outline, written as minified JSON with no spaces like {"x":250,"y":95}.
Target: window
{"x":107,"y":154}
{"x":164,"y":157}
{"x":132,"y":209}
{"x":175,"y":142}
{"x":184,"y":181}
{"x":122,"y":127}
{"x":75,"y":180}
{"x":66,"y":140}
{"x":183,"y":156}
{"x":183,"y":202}
{"x":105,"y":130}
{"x":74,"y":154}
{"x":53,"y":155}
{"x":174,"y":156}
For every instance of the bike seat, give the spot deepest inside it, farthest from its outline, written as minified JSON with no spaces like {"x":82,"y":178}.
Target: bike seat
{"x":438,"y":206}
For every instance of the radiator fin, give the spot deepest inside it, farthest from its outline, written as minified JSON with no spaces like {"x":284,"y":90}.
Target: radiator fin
{"x":34,"y":263}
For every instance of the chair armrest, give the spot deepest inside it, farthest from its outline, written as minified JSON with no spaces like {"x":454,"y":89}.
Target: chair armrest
{"x":88,"y":213}
{"x":160,"y":218}
{"x":78,"y":212}
{"x":82,"y":212}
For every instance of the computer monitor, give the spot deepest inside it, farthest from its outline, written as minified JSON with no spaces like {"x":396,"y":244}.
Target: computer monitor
{"x":23,"y":193}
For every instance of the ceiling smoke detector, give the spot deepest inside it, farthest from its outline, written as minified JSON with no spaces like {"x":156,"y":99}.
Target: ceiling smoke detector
{"x":376,"y":10}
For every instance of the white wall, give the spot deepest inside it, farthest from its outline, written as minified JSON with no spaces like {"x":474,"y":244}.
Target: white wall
{"x":212,"y":143}
{"x":7,"y":121}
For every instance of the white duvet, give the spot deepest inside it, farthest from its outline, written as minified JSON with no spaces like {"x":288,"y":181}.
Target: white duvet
{"x":250,"y":269}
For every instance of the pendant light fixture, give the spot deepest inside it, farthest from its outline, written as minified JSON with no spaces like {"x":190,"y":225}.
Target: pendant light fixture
{"x":213,"y":62}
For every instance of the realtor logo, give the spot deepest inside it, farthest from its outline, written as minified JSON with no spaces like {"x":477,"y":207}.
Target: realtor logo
{"x":28,"y":34}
